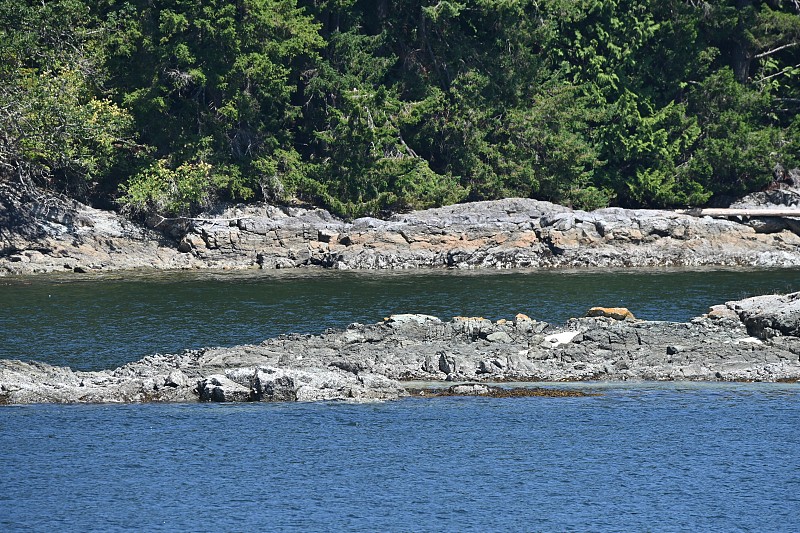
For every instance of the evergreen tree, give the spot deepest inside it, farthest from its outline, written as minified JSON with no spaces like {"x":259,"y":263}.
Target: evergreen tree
{"x":371,"y":107}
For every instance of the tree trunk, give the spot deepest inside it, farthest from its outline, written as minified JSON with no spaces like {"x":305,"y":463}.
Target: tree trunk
{"x":742,"y":52}
{"x":742,"y":59}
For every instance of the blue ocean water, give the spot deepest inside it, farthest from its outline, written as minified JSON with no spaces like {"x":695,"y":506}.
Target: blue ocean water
{"x":635,"y":457}
{"x":641,"y":457}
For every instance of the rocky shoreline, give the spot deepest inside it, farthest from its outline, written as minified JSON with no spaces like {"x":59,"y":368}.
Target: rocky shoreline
{"x":43,"y":233}
{"x":756,"y":339}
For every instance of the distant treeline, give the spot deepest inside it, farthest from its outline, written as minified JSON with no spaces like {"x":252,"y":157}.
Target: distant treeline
{"x":373,"y":106}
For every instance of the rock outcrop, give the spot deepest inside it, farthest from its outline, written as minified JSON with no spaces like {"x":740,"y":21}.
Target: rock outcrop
{"x":757,"y":339}
{"x":44,"y":234}
{"x":218,"y":375}
{"x":511,"y":233}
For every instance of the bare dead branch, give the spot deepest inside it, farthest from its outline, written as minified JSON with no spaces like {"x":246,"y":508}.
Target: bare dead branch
{"x":784,"y":71}
{"x":775,"y":50}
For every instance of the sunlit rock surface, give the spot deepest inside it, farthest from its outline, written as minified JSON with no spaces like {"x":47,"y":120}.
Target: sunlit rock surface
{"x":41,"y":233}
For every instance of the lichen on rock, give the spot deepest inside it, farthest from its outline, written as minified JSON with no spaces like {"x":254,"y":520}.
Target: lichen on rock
{"x":617,"y":313}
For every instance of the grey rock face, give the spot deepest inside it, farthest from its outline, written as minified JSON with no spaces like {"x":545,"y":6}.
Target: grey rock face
{"x":786,"y":195}
{"x":511,"y":233}
{"x":218,"y":388}
{"x":44,"y":234}
{"x":770,"y":316}
{"x":151,"y":379}
{"x":749,"y":340}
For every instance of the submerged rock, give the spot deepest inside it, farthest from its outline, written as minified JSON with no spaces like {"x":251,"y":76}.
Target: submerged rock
{"x":756,"y":339}
{"x":490,"y":391}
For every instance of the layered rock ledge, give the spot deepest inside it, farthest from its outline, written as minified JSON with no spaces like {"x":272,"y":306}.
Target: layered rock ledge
{"x":510,"y":233}
{"x":45,"y":234}
{"x":756,"y":339}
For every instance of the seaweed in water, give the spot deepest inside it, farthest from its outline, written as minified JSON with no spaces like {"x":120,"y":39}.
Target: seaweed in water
{"x":480,"y":389}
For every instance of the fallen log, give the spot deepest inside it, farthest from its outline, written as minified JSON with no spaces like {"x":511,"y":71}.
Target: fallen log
{"x":728,"y":212}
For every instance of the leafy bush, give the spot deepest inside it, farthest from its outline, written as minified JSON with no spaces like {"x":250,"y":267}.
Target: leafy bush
{"x":169,"y":191}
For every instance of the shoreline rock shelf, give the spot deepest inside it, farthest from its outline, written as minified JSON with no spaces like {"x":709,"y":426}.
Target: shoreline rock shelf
{"x":46,"y":234}
{"x":756,"y":339}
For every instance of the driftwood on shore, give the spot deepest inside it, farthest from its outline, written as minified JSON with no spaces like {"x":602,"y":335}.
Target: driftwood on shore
{"x":739,"y":212}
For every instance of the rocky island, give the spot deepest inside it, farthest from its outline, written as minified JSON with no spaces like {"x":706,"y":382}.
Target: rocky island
{"x":756,"y":339}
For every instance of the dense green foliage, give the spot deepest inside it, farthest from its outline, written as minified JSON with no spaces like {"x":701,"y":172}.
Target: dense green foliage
{"x":368,"y":107}
{"x":56,"y":124}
